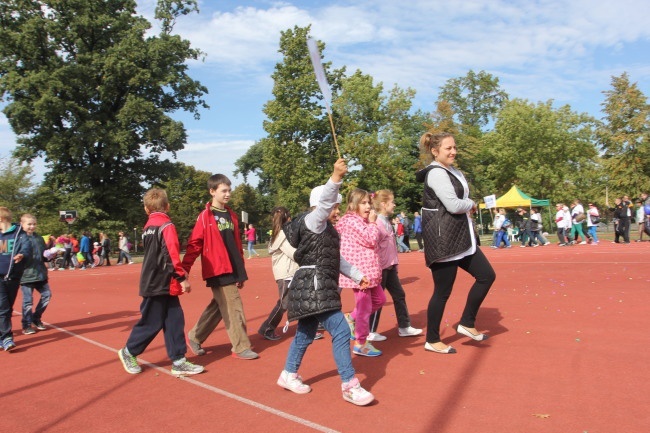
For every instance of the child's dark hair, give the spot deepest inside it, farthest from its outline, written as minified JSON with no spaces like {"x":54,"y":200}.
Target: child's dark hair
{"x":217,"y":179}
{"x":280,"y":216}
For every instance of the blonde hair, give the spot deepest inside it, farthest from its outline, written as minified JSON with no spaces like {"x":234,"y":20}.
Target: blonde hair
{"x":27,"y":216}
{"x":5,"y":213}
{"x":155,"y":200}
{"x":354,"y":199}
{"x":381,"y":196}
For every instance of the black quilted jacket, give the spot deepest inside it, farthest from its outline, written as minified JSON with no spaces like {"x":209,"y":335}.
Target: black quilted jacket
{"x":445,"y":234}
{"x":314,"y":287}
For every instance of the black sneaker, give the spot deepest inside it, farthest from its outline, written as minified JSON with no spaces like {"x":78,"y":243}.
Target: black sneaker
{"x":28,"y":331}
{"x":39,"y":325}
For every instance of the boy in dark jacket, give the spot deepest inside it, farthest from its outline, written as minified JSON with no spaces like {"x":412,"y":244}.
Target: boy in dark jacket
{"x":216,"y":238}
{"x":13,"y":249}
{"x":34,"y":278}
{"x":162,"y":280}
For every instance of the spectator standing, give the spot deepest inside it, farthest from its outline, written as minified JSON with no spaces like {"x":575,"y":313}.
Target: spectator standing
{"x":86,"y":250}
{"x":407,"y":230}
{"x":417,"y":230}
{"x":622,"y":221}
{"x":250,"y":237}
{"x":123,"y":245}
{"x":106,"y":248}
{"x":593,"y":219}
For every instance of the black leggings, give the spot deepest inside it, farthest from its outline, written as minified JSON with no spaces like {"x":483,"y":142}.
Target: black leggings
{"x":444,"y":276}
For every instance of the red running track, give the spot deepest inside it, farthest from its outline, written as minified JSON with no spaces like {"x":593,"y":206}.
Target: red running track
{"x":568,"y":353}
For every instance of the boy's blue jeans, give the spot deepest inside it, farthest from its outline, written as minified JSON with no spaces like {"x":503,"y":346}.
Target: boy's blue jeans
{"x":334,"y":323}
{"x":41,"y":287}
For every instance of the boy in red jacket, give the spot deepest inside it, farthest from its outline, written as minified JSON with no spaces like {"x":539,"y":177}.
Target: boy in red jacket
{"x":162,"y":280}
{"x":216,"y":238}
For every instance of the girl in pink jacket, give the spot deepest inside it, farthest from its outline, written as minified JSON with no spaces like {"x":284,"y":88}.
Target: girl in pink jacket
{"x":359,"y":235}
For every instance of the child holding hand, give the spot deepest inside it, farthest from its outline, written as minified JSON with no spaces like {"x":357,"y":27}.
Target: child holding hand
{"x":162,"y":280}
{"x":359,"y":236}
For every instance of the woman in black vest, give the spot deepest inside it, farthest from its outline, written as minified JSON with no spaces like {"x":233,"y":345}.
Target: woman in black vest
{"x":449,"y":240}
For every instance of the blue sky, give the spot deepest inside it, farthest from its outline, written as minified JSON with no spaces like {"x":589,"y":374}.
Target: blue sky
{"x":565,"y":51}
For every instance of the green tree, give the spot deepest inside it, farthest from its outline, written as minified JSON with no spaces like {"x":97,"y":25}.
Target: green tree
{"x":187,"y":190}
{"x":16,"y":186}
{"x":547,"y":152}
{"x":624,"y":137}
{"x":298,"y":151}
{"x":92,"y":94}
{"x":475,"y":100}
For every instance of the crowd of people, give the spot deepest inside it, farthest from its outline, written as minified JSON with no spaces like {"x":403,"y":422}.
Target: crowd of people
{"x":68,"y":252}
{"x":570,"y":222}
{"x":315,"y":256}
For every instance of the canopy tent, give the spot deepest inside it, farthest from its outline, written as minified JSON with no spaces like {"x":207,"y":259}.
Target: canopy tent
{"x":517,"y":198}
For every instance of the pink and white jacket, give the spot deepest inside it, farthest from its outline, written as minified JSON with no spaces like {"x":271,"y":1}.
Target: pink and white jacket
{"x":358,"y":246}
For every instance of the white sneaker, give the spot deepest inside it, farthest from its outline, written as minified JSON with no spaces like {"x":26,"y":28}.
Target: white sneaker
{"x":409,"y":332}
{"x":583,"y":243}
{"x":293,"y":382}
{"x":353,"y":393}
{"x":375,"y":336}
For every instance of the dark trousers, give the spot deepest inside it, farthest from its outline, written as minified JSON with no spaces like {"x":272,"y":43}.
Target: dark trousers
{"x":623,"y":229}
{"x":444,"y":276}
{"x":390,"y":281}
{"x":159,"y":313}
{"x":418,"y":237}
{"x":275,"y":317}
{"x":8,"y":293}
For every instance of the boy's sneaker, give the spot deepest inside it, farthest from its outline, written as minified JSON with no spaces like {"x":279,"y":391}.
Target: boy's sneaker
{"x":353,"y":393}
{"x":246,"y":354}
{"x":8,"y":345}
{"x":129,"y":362}
{"x":185,"y":368}
{"x":195,"y":347}
{"x":39,"y":325}
{"x":350,"y":321}
{"x":318,"y":336}
{"x":409,"y":332}
{"x":293,"y":382}
{"x":366,"y":350}
{"x":376,"y":336}
{"x":29,"y":331}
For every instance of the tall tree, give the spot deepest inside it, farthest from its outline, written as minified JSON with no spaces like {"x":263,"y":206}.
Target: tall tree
{"x":547,"y":152}
{"x":16,"y":185}
{"x":298,"y":151}
{"x":92,"y":94}
{"x":475,"y":100}
{"x":187,"y":189}
{"x":624,"y":137}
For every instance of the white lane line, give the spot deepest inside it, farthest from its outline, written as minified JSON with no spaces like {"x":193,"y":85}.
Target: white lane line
{"x":211,"y":388}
